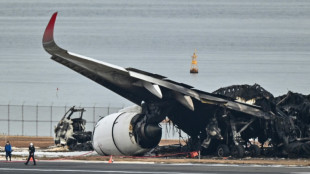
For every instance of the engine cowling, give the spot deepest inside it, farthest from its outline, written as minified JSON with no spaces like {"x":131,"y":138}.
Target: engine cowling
{"x":117,"y":134}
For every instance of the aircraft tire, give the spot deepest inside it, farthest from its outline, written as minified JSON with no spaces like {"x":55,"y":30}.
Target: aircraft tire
{"x":255,"y":150}
{"x":223,"y":150}
{"x":237,"y":151}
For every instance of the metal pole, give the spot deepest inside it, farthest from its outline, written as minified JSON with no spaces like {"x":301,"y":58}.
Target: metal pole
{"x":94,"y":115}
{"x":37,"y":116}
{"x":51,"y":119}
{"x":23,"y":119}
{"x":9,"y":119}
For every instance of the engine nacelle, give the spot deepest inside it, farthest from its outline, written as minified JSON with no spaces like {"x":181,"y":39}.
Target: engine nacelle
{"x":117,"y":134}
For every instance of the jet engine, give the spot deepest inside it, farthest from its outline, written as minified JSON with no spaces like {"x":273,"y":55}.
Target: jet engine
{"x":125,"y":133}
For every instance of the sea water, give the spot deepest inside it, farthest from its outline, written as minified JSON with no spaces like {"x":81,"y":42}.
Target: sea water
{"x":238,"y":42}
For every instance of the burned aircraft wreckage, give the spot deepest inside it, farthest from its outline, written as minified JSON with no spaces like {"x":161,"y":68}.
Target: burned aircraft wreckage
{"x":222,"y":121}
{"x":71,"y":132}
{"x":286,"y":131}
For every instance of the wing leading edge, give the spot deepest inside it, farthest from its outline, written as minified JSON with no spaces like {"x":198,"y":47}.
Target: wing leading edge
{"x":136,"y":85}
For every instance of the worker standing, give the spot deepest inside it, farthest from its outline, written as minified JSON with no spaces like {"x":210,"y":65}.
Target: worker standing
{"x":8,"y":150}
{"x":31,"y":154}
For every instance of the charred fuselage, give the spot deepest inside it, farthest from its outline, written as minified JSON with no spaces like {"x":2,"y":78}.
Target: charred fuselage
{"x":224,"y":120}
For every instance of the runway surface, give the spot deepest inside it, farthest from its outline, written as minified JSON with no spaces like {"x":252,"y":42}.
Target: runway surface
{"x":66,"y":167}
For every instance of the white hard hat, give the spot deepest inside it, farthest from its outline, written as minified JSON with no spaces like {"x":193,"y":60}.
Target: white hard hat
{"x":31,"y":144}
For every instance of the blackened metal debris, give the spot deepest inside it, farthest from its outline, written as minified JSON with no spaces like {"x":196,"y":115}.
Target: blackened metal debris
{"x":287,"y":132}
{"x":297,"y":106}
{"x":71,"y":131}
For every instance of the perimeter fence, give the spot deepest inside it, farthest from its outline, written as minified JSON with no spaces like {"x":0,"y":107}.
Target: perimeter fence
{"x":35,"y":120}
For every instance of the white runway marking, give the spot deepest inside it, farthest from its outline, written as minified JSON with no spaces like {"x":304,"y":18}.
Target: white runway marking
{"x":92,"y":171}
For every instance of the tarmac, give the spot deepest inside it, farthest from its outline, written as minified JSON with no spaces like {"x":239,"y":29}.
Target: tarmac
{"x":69,"y":167}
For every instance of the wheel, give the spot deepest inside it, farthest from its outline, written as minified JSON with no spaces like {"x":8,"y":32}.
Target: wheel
{"x":237,"y":151}
{"x":254,"y":150}
{"x":222,"y":150}
{"x":57,"y":142}
{"x":71,"y":141}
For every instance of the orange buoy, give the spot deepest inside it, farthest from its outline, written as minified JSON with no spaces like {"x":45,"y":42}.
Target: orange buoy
{"x":194,"y":66}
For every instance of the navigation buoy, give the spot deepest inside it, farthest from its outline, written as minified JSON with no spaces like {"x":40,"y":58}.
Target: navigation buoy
{"x":194,"y":66}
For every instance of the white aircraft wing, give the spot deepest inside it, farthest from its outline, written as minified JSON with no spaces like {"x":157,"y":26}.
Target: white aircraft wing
{"x":136,"y":85}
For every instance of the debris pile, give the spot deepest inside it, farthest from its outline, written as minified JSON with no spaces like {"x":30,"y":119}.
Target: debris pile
{"x":295,"y":105}
{"x":291,"y":118}
{"x":249,"y":94}
{"x":298,"y":106}
{"x":71,"y":132}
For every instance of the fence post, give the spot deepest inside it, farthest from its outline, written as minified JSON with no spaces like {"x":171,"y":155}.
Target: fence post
{"x":9,"y":119}
{"x":94,"y":108}
{"x":51,"y":119}
{"x":37,"y":117}
{"x":23,"y":119}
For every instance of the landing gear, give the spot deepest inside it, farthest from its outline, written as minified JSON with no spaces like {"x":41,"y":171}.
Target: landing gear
{"x":223,"y":150}
{"x":237,"y":151}
{"x":254,"y":151}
